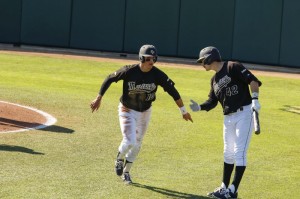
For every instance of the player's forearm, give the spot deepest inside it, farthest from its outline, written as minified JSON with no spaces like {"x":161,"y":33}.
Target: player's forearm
{"x":181,"y":106}
{"x":254,"y":87}
{"x":179,"y":103}
{"x":209,"y":104}
{"x":105,"y":85}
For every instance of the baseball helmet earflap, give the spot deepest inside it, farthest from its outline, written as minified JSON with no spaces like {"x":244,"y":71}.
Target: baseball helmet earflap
{"x":208,"y":60}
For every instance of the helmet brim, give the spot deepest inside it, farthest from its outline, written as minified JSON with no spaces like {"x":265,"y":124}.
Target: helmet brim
{"x":148,"y":55}
{"x":200,"y":60}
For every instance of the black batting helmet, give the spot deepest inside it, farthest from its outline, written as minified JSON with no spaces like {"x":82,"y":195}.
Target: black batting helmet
{"x":208,"y":55}
{"x":147,"y":51}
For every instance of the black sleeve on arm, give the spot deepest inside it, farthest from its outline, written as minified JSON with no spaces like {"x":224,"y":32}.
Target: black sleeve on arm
{"x":212,"y":101}
{"x":113,"y":77}
{"x":242,"y":73}
{"x":105,"y":85}
{"x":174,"y":93}
{"x":169,"y":86}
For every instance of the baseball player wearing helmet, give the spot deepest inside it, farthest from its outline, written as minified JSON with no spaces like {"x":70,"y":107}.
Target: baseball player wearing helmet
{"x":140,"y":83}
{"x":230,"y":86}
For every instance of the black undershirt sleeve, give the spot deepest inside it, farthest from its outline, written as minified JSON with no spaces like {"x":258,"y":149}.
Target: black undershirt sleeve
{"x":209,"y":104}
{"x":169,"y":86}
{"x":113,"y":77}
{"x":174,"y":93}
{"x":240,"y":72}
{"x":105,"y":85}
{"x":212,"y":101}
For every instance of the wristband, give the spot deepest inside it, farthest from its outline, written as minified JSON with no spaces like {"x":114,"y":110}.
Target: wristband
{"x":183,"y":110}
{"x":255,"y":95}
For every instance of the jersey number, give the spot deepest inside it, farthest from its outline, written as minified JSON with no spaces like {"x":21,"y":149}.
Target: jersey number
{"x":150,"y":96}
{"x":233,"y":90}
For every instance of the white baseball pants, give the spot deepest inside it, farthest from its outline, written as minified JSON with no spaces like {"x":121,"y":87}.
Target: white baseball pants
{"x":133,"y":127}
{"x":237,"y":132}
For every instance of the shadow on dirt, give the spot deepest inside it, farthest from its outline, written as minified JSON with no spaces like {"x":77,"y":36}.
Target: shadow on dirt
{"x":23,"y":125}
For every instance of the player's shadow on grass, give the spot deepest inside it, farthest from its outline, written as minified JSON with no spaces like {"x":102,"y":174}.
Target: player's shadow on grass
{"x":57,"y":129}
{"x":12,"y":148}
{"x":291,"y":109}
{"x":169,"y":193}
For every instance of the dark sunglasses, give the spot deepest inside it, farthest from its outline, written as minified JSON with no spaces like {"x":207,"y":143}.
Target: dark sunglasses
{"x":150,"y":58}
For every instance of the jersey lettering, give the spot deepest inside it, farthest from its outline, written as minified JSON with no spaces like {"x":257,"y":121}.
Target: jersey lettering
{"x":221,"y":84}
{"x":140,"y":88}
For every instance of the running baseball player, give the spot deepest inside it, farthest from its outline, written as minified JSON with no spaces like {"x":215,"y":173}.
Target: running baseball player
{"x":230,"y":87}
{"x":140,"y":83}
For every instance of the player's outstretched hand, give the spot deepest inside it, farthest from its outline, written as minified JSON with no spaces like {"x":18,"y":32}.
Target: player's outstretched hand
{"x":195,"y":106}
{"x":187,"y":117}
{"x":95,"y":104}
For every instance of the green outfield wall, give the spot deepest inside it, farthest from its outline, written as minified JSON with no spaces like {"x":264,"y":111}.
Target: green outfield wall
{"x":155,"y":23}
{"x":46,"y":22}
{"x":200,"y":26}
{"x":10,"y":21}
{"x":258,"y":31}
{"x":98,"y":25}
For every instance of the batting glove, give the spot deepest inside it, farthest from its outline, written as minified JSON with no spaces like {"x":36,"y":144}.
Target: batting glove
{"x":195,"y":106}
{"x":255,"y":105}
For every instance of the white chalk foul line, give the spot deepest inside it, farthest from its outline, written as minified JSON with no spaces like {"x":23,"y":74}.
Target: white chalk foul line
{"x":50,"y":120}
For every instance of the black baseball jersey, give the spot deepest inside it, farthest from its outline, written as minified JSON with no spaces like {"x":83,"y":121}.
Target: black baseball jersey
{"x":230,"y":86}
{"x":139,"y":87}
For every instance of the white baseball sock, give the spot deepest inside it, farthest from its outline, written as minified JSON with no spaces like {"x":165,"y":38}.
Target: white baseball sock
{"x":232,"y":188}
{"x":127,"y":167}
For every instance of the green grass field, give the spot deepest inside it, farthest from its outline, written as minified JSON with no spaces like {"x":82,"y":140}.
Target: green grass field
{"x":179,"y":159}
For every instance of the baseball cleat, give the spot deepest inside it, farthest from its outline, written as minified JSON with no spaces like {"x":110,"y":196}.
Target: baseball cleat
{"x":222,"y":193}
{"x":232,"y":195}
{"x":119,"y":165}
{"x":218,"y":193}
{"x":126,"y":178}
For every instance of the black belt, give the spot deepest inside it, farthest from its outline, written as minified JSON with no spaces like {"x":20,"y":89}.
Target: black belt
{"x":239,"y":109}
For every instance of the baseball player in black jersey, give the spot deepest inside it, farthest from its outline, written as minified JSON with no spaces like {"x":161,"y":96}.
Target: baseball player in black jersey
{"x":230,"y":87}
{"x":140,"y":82}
